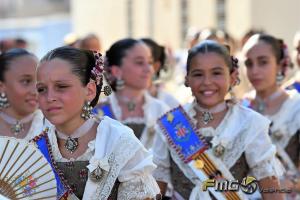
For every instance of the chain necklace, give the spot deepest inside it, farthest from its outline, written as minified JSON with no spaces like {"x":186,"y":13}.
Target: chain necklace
{"x":130,"y":103}
{"x":262,"y":103}
{"x":207,"y":114}
{"x":71,"y":143}
{"x":16,"y":126}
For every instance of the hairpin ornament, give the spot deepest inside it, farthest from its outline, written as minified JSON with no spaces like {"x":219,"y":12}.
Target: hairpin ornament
{"x":98,"y":69}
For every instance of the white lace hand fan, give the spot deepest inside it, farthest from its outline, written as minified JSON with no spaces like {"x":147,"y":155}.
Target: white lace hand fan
{"x":24,"y":172}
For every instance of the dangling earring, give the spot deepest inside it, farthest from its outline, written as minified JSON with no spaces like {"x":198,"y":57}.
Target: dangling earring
{"x":232,"y":95}
{"x":279,"y":78}
{"x":86,"y":111}
{"x":119,"y":84}
{"x":3,"y":101}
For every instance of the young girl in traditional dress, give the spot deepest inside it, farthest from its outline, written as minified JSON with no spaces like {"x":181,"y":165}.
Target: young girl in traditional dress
{"x":156,"y":88}
{"x":234,"y":139}
{"x":19,"y":116}
{"x":129,"y":64}
{"x":266,"y":61}
{"x":100,"y":159}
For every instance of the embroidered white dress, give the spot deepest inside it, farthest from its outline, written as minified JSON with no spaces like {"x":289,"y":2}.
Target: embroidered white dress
{"x":120,"y":156}
{"x":153,"y":109}
{"x":241,"y":131}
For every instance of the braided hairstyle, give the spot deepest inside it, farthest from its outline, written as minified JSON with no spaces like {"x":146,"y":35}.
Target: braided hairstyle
{"x":82,"y":63}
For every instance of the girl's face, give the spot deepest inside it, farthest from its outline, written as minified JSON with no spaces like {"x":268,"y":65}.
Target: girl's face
{"x":261,"y":66}
{"x":136,"y":69}
{"x":19,"y":86}
{"x":209,"y":79}
{"x":61,"y":94}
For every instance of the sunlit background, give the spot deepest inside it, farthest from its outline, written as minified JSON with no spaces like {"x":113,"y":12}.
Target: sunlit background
{"x":46,"y":23}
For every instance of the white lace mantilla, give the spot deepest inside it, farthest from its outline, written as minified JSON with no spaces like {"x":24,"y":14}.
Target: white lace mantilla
{"x":286,"y":122}
{"x":152,"y":108}
{"x":241,"y":131}
{"x":126,"y":160}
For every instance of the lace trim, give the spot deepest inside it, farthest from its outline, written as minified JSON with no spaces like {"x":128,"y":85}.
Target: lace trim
{"x":116,"y":160}
{"x":136,"y":120}
{"x":162,"y":174}
{"x":286,"y":122}
{"x":138,"y":189}
{"x":267,"y":168}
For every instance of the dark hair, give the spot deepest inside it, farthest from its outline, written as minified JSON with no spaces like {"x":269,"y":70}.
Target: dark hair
{"x":280,"y":51}
{"x":82,"y":62}
{"x":207,"y":46}
{"x":115,"y":55}
{"x":276,"y":45}
{"x":158,"y":53}
{"x":8,"y":56}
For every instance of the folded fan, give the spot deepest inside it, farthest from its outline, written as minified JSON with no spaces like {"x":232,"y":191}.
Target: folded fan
{"x":24,"y":172}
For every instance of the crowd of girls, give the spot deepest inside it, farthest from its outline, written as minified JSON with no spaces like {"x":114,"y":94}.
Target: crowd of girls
{"x":110,"y":130}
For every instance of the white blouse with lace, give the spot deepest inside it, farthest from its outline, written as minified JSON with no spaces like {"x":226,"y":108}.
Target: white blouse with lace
{"x":286,"y":122}
{"x":153,"y":109}
{"x":241,"y":131}
{"x":120,"y":156}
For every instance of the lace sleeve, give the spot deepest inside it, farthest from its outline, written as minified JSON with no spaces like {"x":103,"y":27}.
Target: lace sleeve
{"x":161,"y":158}
{"x":136,"y":179}
{"x":139,"y":188}
{"x":260,"y":155}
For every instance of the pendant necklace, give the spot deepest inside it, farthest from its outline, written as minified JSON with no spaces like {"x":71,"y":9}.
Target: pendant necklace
{"x":262,"y":103}
{"x":16,"y":126}
{"x":207,"y":114}
{"x":130,"y":103}
{"x":71,"y":143}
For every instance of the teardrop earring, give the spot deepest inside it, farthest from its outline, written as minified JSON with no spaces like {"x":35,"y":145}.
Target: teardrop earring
{"x":3,"y":100}
{"x":86,"y":110}
{"x":279,"y":78}
{"x":119,"y":84}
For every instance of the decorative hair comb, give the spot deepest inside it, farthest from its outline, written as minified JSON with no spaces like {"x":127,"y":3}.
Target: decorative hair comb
{"x":98,"y":69}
